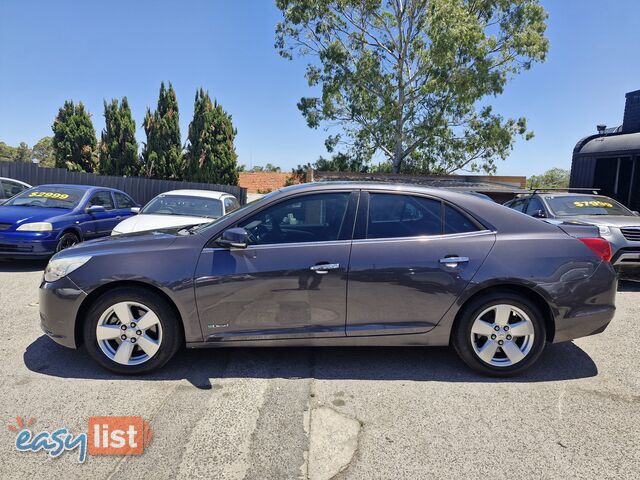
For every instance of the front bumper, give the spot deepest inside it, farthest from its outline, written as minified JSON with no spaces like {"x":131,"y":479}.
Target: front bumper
{"x":59,"y":305}
{"x":28,"y":244}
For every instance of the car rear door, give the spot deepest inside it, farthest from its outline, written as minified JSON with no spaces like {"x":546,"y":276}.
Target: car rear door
{"x":290,"y":282}
{"x":411,"y":257}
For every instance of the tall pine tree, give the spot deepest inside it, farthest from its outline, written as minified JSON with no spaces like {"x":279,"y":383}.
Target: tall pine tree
{"x":162,"y":154}
{"x":74,"y":138}
{"x":211,"y":156}
{"x":118,"y":146}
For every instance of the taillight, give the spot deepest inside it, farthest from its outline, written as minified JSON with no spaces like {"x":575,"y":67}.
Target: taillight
{"x":599,"y":246}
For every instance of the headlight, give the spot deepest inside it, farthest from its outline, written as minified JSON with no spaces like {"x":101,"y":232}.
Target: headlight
{"x":35,"y":227}
{"x":61,"y":267}
{"x":604,"y":231}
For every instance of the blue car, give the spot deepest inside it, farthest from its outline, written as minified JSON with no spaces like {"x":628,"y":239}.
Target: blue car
{"x":45,"y":219}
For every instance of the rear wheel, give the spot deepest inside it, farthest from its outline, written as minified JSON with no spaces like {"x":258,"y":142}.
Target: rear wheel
{"x":500,"y":334}
{"x":132,"y":331}
{"x":68,"y":239}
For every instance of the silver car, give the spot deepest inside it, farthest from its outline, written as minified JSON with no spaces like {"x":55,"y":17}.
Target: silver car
{"x":617,"y":224}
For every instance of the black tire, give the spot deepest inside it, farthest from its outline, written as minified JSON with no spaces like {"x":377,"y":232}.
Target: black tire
{"x":68,"y":239}
{"x":172,"y":333}
{"x":461,"y":335}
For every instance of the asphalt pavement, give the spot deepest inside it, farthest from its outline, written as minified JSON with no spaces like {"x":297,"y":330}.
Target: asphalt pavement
{"x":328,"y":412}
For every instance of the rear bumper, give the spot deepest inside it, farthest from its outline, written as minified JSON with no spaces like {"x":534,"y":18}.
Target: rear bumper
{"x":28,"y":244}
{"x":59,"y":305}
{"x":589,"y":305}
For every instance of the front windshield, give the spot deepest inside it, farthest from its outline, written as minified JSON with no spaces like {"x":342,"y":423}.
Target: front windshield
{"x":573,"y":205}
{"x":48,"y":197}
{"x":184,"y":205}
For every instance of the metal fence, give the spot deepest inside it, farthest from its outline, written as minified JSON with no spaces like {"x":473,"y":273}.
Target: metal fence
{"x":140,"y":189}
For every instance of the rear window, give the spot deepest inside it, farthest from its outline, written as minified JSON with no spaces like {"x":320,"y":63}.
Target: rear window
{"x":48,"y":197}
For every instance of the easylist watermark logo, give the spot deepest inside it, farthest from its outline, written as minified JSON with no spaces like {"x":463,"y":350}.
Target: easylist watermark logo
{"x":105,"y":436}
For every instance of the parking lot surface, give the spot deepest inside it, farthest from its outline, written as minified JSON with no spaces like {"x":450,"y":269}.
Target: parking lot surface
{"x":328,"y":412}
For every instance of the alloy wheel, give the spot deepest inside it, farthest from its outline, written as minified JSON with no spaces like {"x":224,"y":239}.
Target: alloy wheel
{"x":129,"y":333}
{"x":502,"y":335}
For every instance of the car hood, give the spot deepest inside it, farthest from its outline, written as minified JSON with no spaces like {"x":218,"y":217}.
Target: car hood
{"x":130,"y":243}
{"x":145,"y":222}
{"x":609,"y":220}
{"x":11,"y":214}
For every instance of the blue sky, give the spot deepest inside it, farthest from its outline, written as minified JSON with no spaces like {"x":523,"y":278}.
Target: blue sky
{"x":89,"y":50}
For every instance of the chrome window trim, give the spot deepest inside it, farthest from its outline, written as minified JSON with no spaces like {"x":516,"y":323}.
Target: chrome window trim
{"x":281,"y":245}
{"x":426,"y":237}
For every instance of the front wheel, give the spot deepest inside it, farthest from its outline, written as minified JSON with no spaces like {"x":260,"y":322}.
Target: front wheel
{"x":500,"y":334}
{"x":68,"y":239}
{"x":132,"y":331}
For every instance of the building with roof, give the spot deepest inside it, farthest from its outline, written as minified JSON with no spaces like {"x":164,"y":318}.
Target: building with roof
{"x":609,"y":159}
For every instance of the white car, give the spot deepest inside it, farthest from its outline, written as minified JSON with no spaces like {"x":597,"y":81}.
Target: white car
{"x":10,"y":187}
{"x":178,"y":208}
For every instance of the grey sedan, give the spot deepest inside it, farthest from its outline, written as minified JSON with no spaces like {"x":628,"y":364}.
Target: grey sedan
{"x":343,"y":264}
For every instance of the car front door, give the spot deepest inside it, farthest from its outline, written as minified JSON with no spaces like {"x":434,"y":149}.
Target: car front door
{"x":290,"y":281}
{"x":412,"y":256}
{"x":101,"y":223}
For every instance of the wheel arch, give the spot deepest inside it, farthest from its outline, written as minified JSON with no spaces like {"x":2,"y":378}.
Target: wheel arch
{"x":98,"y":292}
{"x":71,"y":229}
{"x":525,"y":291}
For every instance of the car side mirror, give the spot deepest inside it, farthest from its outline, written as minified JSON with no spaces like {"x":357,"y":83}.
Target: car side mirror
{"x":95,"y":209}
{"x":539,"y":214}
{"x":234,"y":238}
{"x":135,"y":209}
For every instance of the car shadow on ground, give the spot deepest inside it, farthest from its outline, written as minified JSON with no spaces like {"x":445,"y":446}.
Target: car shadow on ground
{"x":22,"y":265}
{"x":202,"y":367}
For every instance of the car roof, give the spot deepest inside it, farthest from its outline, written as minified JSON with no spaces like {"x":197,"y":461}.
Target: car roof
{"x":14,"y":180}
{"x":199,"y":193}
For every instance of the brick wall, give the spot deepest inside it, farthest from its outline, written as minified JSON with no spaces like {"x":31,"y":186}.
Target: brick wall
{"x":263,"y":182}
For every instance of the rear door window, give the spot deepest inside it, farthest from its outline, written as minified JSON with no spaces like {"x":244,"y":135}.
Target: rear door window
{"x":457,"y":222}
{"x":392,"y":216}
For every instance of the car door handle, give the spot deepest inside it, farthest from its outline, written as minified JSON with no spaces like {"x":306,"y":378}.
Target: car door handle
{"x":453,"y":261}
{"x":323,"y":268}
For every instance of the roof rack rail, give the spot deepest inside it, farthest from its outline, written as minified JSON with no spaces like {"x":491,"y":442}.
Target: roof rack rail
{"x":566,"y":189}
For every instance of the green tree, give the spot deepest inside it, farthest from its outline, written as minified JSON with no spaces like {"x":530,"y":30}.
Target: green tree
{"x":43,"y":152}
{"x":211,"y":156}
{"x":118,"y":146}
{"x":413,"y":78}
{"x":552,"y":178}
{"x":23,"y":153}
{"x":7,"y":152}
{"x":162,"y":153}
{"x":74,"y":138}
